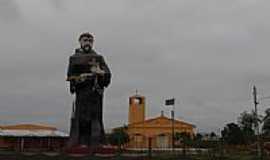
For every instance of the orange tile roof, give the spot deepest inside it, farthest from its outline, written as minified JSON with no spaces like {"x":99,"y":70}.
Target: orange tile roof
{"x":163,"y":117}
{"x":28,"y":127}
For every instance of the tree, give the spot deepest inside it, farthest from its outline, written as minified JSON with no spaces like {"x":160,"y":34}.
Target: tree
{"x":213,"y":135}
{"x":232,"y":134}
{"x":198,"y":142}
{"x":198,"y":137}
{"x":247,"y":120}
{"x":247,"y":123}
{"x":185,"y":139}
{"x":119,"y":137}
{"x":266,"y":123}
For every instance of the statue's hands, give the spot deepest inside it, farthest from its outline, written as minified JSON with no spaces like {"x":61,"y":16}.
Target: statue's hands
{"x":100,"y":72}
{"x":83,"y":77}
{"x":97,"y":70}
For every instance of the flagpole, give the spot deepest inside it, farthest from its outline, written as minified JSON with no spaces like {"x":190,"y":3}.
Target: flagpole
{"x":172,"y":115}
{"x":171,"y":102}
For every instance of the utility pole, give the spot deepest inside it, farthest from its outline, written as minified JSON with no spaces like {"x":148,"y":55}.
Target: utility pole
{"x":257,"y":129}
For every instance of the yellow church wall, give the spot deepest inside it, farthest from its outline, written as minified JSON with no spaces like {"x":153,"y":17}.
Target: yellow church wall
{"x":143,"y":140}
{"x":158,"y":129}
{"x":153,"y":132}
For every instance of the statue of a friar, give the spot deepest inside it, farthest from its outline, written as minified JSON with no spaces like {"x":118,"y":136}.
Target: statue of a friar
{"x":88,"y":75}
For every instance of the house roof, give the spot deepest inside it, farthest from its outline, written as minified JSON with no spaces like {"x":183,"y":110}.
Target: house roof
{"x":31,"y":130}
{"x":161,"y":121}
{"x":28,"y":127}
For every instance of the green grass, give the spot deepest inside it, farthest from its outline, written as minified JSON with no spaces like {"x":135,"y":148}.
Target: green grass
{"x":229,"y":156}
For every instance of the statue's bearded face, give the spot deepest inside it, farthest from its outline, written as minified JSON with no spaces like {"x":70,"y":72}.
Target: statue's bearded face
{"x":87,"y":43}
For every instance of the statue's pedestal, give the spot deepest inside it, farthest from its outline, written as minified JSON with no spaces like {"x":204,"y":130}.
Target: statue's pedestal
{"x":79,"y":150}
{"x":83,"y":150}
{"x":106,"y":151}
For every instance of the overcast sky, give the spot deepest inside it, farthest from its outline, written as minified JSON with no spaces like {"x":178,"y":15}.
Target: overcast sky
{"x":205,"y":53}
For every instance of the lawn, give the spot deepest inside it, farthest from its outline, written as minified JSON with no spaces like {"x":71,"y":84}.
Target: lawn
{"x":231,"y":156}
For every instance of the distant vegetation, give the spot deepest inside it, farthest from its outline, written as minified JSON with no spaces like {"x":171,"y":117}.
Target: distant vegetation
{"x":236,"y":140}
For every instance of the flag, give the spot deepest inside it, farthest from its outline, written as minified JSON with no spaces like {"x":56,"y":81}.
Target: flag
{"x":169,"y":102}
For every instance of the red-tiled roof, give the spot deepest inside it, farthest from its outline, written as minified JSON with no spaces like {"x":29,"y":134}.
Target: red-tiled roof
{"x":30,"y":130}
{"x":162,"y":117}
{"x":28,"y":127}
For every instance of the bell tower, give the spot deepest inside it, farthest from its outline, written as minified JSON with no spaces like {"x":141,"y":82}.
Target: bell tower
{"x":136,"y":109}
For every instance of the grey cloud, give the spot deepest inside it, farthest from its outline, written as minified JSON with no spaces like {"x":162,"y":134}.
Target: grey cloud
{"x":207,"y":54}
{"x":9,"y":11}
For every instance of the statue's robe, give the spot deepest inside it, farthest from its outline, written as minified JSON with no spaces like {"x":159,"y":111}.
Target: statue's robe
{"x":87,"y":120}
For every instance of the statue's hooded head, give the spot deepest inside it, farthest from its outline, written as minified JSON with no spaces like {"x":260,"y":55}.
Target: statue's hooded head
{"x":86,"y":41}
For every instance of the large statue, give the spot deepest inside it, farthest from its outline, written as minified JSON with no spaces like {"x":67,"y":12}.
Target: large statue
{"x":88,"y":75}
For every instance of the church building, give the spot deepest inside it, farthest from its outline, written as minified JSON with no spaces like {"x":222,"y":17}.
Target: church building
{"x":158,"y":130}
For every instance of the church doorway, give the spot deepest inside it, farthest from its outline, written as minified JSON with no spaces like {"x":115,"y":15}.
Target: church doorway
{"x":162,"y":141}
{"x":139,"y":140}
